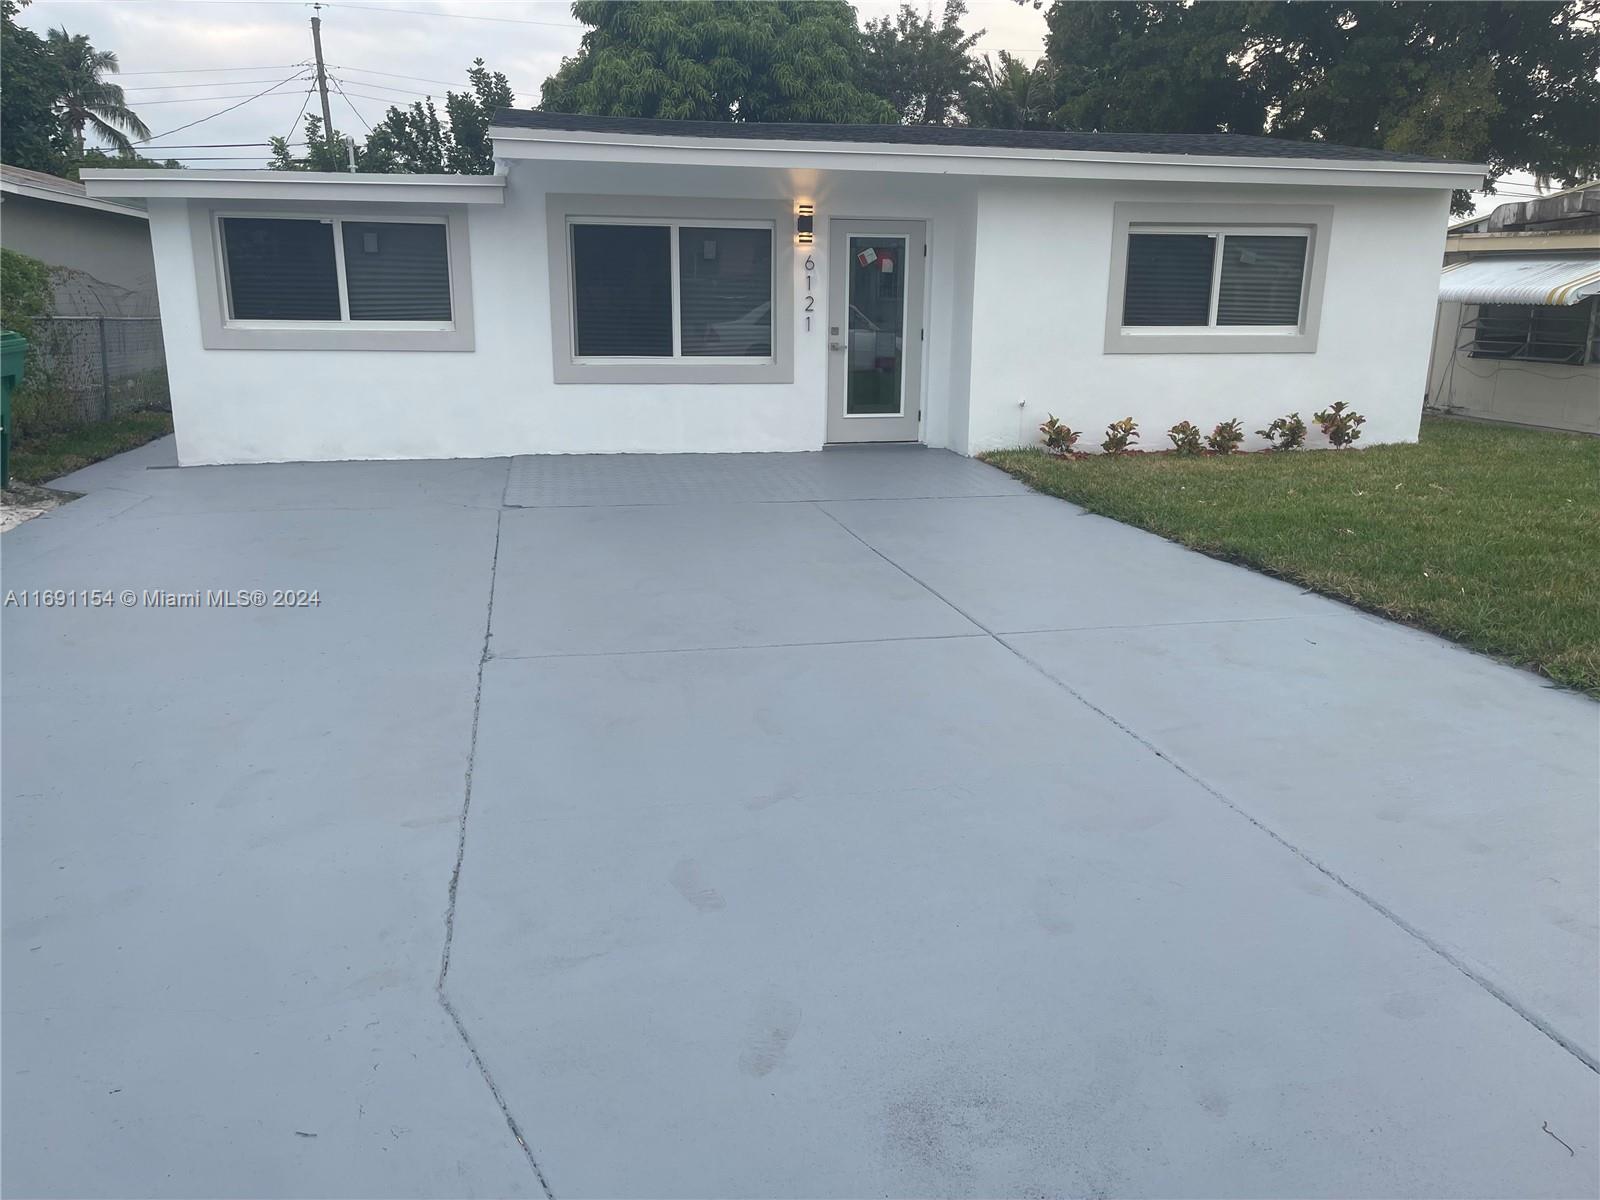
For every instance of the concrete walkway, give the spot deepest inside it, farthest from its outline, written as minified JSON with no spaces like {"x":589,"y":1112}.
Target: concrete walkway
{"x":843,"y":824}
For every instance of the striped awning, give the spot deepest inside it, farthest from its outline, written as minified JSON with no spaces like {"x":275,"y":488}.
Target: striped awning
{"x":1501,"y":279}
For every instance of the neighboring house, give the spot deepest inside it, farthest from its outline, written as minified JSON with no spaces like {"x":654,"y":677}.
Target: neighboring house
{"x":1518,"y":335}
{"x":633,"y":285}
{"x":102,"y":246}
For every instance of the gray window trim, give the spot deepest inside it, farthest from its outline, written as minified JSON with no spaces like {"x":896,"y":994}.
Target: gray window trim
{"x":1316,"y":219}
{"x":217,"y":333}
{"x":560,"y":209}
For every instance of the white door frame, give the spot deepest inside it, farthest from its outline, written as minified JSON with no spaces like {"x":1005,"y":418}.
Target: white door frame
{"x":907,"y":424}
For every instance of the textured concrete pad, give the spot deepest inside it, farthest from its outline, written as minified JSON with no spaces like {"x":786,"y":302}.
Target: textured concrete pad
{"x":468,"y":483}
{"x":858,"y":472}
{"x":228,"y":837}
{"x":1033,"y":562}
{"x":907,"y":919}
{"x":122,"y":469}
{"x":1458,"y":793}
{"x":585,"y":580}
{"x":883,"y":909}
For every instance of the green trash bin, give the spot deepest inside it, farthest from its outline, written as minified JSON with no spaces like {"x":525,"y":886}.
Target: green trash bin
{"x":13,"y":353}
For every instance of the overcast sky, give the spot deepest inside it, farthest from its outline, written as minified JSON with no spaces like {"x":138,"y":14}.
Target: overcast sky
{"x":184,"y":60}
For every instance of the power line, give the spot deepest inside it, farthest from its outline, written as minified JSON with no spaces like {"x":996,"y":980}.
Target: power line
{"x":295,"y":124}
{"x":390,"y":74}
{"x":220,"y":111}
{"x":206,"y":70}
{"x":423,"y":12}
{"x":214,"y":145}
{"x":194,"y":99}
{"x":218,"y":157}
{"x":350,"y":102}
{"x":172,"y":87}
{"x":384,"y":87}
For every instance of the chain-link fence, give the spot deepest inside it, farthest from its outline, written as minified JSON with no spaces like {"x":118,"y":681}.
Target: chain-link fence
{"x":87,"y":369}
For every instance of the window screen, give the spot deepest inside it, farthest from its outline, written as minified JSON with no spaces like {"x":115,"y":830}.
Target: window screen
{"x":280,"y":270}
{"x":622,"y":291}
{"x":1169,"y":279}
{"x":1261,"y":278}
{"x":725,"y":291}
{"x":396,"y":271}
{"x":1532,"y":332}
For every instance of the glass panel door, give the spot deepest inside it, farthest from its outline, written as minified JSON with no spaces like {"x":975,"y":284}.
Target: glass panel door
{"x":874,"y":380}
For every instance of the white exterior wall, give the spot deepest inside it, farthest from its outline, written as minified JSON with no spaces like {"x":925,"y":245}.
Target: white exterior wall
{"x":1044,"y":250}
{"x":1545,"y":395}
{"x":1018,"y":273}
{"x":276,"y":405}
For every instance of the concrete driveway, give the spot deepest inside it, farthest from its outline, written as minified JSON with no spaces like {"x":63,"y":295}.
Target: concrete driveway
{"x":842,"y":824}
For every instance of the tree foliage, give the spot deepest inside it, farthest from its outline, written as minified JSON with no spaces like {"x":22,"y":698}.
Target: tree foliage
{"x":30,"y":135}
{"x":54,"y":95}
{"x":85,"y":99}
{"x":1512,"y":85}
{"x":25,"y":292}
{"x":1009,"y":94}
{"x":718,"y":60}
{"x":922,"y":67}
{"x":413,"y":138}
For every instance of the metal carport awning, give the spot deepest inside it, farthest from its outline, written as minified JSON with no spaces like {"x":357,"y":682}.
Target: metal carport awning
{"x":1503,"y":280}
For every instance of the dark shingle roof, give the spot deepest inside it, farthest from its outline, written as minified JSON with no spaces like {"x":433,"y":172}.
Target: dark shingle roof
{"x":1224,"y":145}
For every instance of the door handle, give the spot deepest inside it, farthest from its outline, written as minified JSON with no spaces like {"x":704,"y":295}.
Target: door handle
{"x":836,"y":346}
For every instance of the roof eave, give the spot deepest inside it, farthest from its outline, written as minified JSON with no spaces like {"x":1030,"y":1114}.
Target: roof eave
{"x":11,"y":185}
{"x":518,"y":142}
{"x":296,"y":185}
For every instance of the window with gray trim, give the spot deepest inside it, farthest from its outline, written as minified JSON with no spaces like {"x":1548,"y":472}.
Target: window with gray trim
{"x":1197,"y":279}
{"x":671,"y":290}
{"x":335,"y":271}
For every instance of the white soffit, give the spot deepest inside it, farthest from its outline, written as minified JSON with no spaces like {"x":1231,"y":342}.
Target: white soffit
{"x":296,"y":185}
{"x":1566,"y":280}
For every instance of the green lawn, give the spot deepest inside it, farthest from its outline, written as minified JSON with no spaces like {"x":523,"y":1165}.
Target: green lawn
{"x":1485,"y":534}
{"x":38,"y":460}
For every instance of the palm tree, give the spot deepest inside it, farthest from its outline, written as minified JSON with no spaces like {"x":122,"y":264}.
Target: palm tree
{"x":86,"y":99}
{"x":1008,"y":95}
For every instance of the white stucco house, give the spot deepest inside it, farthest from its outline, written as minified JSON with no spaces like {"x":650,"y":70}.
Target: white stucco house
{"x":634,"y":285}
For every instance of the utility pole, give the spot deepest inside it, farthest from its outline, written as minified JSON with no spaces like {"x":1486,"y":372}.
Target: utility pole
{"x":322,"y":72}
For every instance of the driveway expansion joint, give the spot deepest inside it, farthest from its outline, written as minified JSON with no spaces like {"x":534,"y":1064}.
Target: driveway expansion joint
{"x":455,"y":882}
{"x":1540,"y":1023}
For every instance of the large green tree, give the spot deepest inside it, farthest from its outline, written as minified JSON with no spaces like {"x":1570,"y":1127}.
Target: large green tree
{"x":921,"y":66}
{"x":53,"y":94}
{"x":414,"y":138}
{"x":1512,"y":85}
{"x":30,"y":133}
{"x":85,"y":99}
{"x":1008,"y":94}
{"x":718,"y":60}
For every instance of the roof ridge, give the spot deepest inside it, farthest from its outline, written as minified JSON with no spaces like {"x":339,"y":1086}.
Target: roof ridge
{"x":1211,"y":144}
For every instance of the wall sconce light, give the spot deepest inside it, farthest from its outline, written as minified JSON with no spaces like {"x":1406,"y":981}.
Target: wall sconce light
{"x":804,"y":224}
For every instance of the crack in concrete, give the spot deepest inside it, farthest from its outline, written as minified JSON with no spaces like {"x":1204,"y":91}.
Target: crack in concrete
{"x":455,"y":882}
{"x":923,"y":637}
{"x":1542,"y":1024}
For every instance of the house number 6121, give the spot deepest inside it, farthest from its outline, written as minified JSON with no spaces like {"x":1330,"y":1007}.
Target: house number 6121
{"x":811,"y":300}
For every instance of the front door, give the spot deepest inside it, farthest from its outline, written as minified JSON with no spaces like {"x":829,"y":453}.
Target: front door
{"x":875,"y":330}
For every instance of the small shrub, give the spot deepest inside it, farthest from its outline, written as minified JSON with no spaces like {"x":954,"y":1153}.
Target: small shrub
{"x":1341,"y":423}
{"x":25,"y":292}
{"x":1058,"y":438}
{"x":1120,"y":435}
{"x":1285,"y":433}
{"x":1225,"y":438}
{"x":1185,"y":437}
